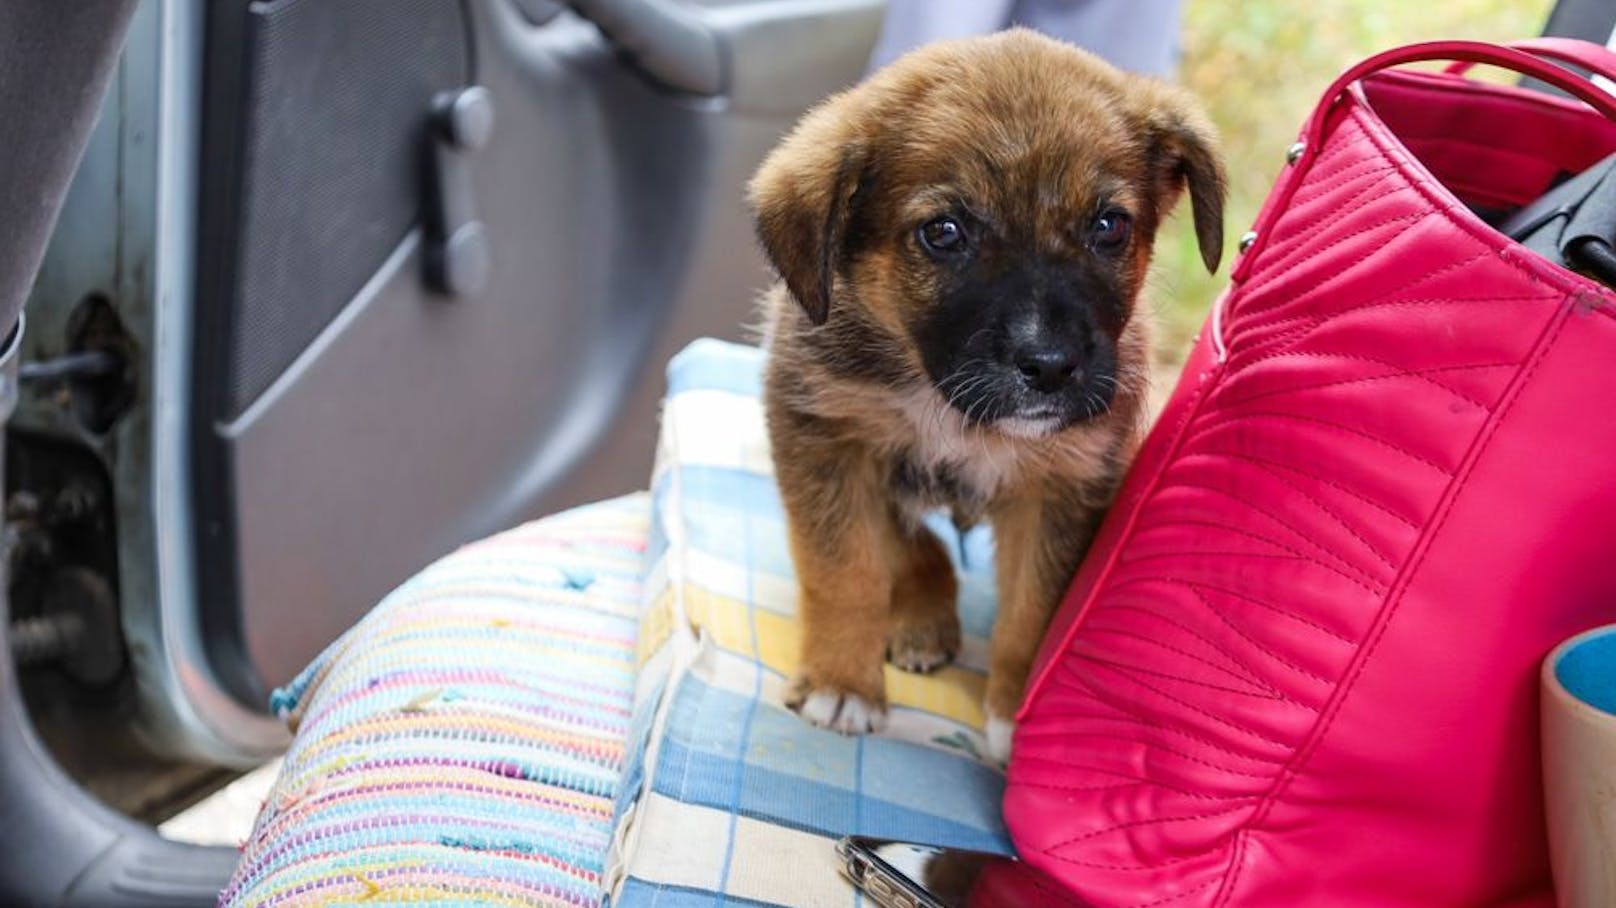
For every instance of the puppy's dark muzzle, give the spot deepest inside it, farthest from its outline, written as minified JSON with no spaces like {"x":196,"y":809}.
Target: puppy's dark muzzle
{"x":1059,"y":375}
{"x":1047,"y":368}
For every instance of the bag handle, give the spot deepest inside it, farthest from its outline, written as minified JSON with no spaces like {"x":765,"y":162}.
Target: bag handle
{"x":1528,"y":61}
{"x":1596,"y":58}
{"x":1472,"y":52}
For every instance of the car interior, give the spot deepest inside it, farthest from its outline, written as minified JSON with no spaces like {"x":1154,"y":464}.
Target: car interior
{"x":378,"y":280}
{"x":302,"y":296}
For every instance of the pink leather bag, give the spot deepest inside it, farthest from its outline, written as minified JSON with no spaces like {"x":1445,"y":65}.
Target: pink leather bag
{"x":1298,"y":667}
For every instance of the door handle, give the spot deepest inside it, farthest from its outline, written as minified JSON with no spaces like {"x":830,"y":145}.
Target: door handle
{"x":457,"y":255}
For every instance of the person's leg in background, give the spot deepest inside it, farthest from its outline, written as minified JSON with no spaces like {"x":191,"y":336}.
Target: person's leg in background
{"x":911,"y":23}
{"x":1138,"y":35}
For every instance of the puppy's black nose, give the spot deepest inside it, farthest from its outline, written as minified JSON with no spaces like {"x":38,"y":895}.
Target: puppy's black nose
{"x":1046,"y":367}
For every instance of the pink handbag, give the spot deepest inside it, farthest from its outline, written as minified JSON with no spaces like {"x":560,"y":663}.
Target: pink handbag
{"x":1298,"y":668}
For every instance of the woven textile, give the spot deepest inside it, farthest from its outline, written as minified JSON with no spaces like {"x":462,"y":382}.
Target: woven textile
{"x":589,"y":707}
{"x":730,"y":799}
{"x":462,"y":745}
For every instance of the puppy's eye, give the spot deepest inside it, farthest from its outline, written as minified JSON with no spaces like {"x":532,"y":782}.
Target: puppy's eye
{"x":942,"y":235}
{"x":1110,"y":231}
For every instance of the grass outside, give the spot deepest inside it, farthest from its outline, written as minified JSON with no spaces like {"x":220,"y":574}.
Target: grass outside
{"x":1259,"y":67}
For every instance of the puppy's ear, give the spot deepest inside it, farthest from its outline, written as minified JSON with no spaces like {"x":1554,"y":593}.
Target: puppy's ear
{"x":1185,"y":152}
{"x":802,"y":199}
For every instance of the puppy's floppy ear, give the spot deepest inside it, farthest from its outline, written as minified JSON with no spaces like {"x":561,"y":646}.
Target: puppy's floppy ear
{"x":1185,"y":152}
{"x":802,"y":199}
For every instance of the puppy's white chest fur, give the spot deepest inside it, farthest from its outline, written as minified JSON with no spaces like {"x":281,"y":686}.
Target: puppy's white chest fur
{"x":942,"y":444}
{"x":950,"y":461}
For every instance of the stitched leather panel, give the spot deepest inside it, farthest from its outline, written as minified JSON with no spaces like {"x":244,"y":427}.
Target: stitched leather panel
{"x":1267,"y":532}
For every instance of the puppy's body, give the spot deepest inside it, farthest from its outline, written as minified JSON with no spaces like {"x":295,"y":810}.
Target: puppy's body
{"x":961,"y":242}
{"x":865,"y":462}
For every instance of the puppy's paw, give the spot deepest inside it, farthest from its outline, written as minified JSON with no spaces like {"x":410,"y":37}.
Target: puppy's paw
{"x":925,"y":644}
{"x":838,"y":710}
{"x":999,"y":733}
{"x":843,"y":712}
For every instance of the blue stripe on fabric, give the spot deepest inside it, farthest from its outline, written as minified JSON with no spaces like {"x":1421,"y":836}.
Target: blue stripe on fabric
{"x":375,"y":844}
{"x":736,"y":516}
{"x":638,"y":893}
{"x":978,"y":595}
{"x":637,"y":743}
{"x":790,"y":802}
{"x":656,"y":543}
{"x":858,"y":802}
{"x":714,"y":365}
{"x":806,"y":778}
{"x":751,"y":710}
{"x":755,"y":493}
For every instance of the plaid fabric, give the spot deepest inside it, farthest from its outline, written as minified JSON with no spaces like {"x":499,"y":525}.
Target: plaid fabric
{"x":729,"y":798}
{"x":465,"y":743}
{"x":462,"y":745}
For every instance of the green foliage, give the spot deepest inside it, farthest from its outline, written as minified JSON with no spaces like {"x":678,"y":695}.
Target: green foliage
{"x":1259,"y":66}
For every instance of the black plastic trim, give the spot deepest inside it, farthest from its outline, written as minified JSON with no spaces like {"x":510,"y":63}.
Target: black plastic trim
{"x":62,"y":848}
{"x":228,"y":36}
{"x":59,"y":846}
{"x":224,"y":68}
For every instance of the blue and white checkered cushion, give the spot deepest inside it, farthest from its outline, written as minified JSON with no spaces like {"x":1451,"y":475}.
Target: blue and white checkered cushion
{"x":729,"y":797}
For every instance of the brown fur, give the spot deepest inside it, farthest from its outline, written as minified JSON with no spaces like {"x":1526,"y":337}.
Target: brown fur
{"x":1030,"y":131}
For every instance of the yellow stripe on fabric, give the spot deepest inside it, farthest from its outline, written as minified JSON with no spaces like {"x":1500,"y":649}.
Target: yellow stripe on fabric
{"x":511,"y":623}
{"x":507,"y":636}
{"x":951,"y":692}
{"x":385,"y":790}
{"x":779,"y":639}
{"x":516,"y":596}
{"x":727,"y":621}
{"x":392,"y":651}
{"x":374,"y":887}
{"x":432,"y":723}
{"x":437,"y":777}
{"x":656,"y":626}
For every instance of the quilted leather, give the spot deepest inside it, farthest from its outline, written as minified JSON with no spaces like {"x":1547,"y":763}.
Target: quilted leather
{"x":1297,"y":668}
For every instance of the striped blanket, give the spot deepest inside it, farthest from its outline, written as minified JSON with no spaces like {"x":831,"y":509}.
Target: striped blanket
{"x":462,"y":745}
{"x":587,"y":709}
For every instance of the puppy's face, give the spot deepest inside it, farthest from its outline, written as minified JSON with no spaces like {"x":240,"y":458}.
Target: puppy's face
{"x":979,"y":215}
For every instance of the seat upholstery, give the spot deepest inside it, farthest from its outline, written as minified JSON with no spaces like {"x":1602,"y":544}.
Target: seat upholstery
{"x":463,"y":743}
{"x":728,"y":795}
{"x":587,"y":708}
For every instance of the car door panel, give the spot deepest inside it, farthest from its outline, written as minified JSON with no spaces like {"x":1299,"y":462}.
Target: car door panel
{"x":351,"y":423}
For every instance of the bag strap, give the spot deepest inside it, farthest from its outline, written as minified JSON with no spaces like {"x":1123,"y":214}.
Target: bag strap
{"x":1472,"y":52}
{"x":1596,"y":58}
{"x":1528,"y":61}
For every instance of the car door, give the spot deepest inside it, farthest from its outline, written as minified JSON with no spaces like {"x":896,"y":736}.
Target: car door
{"x":392,"y":275}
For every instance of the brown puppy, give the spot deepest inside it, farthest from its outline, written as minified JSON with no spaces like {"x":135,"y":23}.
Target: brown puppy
{"x":961,"y":240}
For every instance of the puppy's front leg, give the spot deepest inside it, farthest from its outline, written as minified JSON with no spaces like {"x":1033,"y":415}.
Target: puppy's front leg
{"x":1040,"y":540}
{"x":840,"y":528}
{"x":925,"y":618}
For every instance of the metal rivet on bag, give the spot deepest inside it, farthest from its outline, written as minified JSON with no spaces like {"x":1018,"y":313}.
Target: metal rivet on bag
{"x":1295,"y":152}
{"x":1248,"y":240}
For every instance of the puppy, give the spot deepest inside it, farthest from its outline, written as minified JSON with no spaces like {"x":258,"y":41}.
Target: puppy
{"x":961,"y":242}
